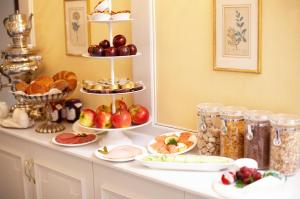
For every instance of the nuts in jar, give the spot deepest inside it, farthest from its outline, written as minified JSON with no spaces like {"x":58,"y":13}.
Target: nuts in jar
{"x":284,"y":156}
{"x":209,"y":129}
{"x":232,"y":133}
{"x":257,"y":139}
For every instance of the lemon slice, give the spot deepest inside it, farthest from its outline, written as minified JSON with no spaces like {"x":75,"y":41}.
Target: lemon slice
{"x":171,"y":140}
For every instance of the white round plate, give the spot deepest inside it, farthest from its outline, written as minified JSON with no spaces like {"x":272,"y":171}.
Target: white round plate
{"x":102,"y":157}
{"x":193,"y":138}
{"x":266,"y":188}
{"x":10,"y":124}
{"x":73,"y":145}
{"x":109,"y":94}
{"x":109,"y":21}
{"x":112,"y":57}
{"x":113,"y":129}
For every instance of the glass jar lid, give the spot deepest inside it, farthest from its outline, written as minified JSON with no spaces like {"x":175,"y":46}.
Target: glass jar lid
{"x":233,"y":111}
{"x":285,"y":120}
{"x":258,"y":115}
{"x":209,"y":107}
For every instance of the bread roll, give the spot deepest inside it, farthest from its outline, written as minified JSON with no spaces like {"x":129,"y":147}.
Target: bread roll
{"x":36,"y":88}
{"x":70,"y":77}
{"x":44,"y":80}
{"x":60,"y":84}
{"x":21,"y":86}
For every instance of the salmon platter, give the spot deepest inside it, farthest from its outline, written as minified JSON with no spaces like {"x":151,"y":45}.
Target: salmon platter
{"x":74,"y":139}
{"x":173,"y":143}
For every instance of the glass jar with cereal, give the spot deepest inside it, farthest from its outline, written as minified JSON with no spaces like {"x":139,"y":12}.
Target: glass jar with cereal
{"x":284,"y":156}
{"x":209,"y":128}
{"x":257,"y":139}
{"x":232,"y":132}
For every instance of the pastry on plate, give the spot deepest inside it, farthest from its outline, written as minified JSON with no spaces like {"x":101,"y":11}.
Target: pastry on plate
{"x":121,"y":15}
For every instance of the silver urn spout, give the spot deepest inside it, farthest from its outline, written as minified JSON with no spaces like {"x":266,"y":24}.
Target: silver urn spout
{"x":18,"y":27}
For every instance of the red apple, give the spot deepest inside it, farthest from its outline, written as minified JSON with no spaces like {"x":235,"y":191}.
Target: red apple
{"x":87,"y":117}
{"x":98,"y":51}
{"x":139,"y":114}
{"x":103,"y":108}
{"x":104,"y":44}
{"x":91,"y":49}
{"x":120,"y":105}
{"x":123,"y":51}
{"x":132,"y":49}
{"x":119,"y":40}
{"x":103,"y":120}
{"x":111,"y":51}
{"x":121,"y":119}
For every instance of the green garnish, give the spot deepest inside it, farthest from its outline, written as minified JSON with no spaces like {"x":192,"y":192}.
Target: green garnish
{"x":104,"y":151}
{"x":272,"y":173}
{"x":172,"y":142}
{"x":239,"y":184}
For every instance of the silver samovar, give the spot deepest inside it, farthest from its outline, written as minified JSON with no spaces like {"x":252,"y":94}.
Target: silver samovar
{"x":20,"y":62}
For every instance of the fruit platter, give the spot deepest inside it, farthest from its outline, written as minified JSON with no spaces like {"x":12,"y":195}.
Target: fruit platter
{"x":74,"y":139}
{"x":118,"y":48}
{"x":172,"y":143}
{"x":120,"y":153}
{"x":247,"y":182}
{"x":103,"y":117}
{"x":185,"y":162}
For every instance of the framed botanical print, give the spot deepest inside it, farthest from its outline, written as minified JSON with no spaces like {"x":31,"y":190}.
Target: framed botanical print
{"x":237,"y":35}
{"x":76,"y":27}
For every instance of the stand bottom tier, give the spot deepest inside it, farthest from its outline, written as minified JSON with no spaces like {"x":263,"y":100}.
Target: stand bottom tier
{"x":49,"y":127}
{"x":114,"y":138}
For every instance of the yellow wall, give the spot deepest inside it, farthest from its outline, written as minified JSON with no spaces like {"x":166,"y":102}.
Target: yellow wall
{"x":184,"y":62}
{"x":50,"y":40}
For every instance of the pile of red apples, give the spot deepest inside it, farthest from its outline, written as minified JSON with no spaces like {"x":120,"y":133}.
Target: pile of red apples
{"x":124,"y":117}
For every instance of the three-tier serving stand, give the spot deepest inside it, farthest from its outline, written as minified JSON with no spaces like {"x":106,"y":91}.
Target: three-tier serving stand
{"x":113,"y":135}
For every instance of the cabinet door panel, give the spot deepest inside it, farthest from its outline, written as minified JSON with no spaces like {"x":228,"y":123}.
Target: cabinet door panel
{"x":53,"y":184}
{"x":11,"y":183}
{"x":113,"y":184}
{"x":59,"y":175}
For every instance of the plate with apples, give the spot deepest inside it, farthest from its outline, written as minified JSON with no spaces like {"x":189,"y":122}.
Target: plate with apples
{"x":102,"y":119}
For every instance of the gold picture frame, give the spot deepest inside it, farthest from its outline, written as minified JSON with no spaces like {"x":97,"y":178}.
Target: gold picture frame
{"x":226,"y":55}
{"x":77,"y":27}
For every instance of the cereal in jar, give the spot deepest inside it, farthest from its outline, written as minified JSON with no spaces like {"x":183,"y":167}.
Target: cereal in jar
{"x":232,"y":132}
{"x":257,"y":138}
{"x":209,"y":128}
{"x":284,"y":156}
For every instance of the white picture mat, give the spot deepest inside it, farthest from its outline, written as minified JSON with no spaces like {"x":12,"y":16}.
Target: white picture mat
{"x":250,"y":63}
{"x":71,"y":48}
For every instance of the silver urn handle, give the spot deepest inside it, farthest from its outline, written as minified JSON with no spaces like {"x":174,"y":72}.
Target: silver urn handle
{"x":29,"y":24}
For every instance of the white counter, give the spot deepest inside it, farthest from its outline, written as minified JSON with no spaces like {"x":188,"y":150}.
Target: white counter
{"x":196,"y":183}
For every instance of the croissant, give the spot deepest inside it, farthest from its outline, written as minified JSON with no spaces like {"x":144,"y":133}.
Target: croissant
{"x":70,"y":77}
{"x":21,"y":86}
{"x":60,"y":84}
{"x":44,"y":80}
{"x":36,"y":88}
